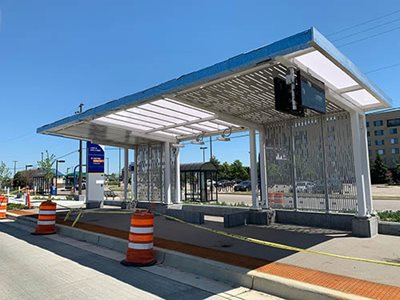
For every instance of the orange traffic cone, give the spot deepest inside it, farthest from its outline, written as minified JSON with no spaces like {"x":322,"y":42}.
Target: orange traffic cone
{"x":140,"y":247}
{"x":3,"y":207}
{"x":47,"y":218}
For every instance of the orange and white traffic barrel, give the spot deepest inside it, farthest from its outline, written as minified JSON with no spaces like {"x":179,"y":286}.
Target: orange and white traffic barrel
{"x":46,"y":223}
{"x":3,"y":207}
{"x":140,"y":247}
{"x":279,"y":198}
{"x":271,"y":197}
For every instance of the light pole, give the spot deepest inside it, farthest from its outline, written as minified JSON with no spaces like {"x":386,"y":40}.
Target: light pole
{"x":204,"y":153}
{"x":56,"y":177}
{"x":28,"y":166}
{"x":108,"y":166}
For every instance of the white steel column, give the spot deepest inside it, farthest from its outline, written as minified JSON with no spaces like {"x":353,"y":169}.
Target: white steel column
{"x":263,"y":169}
{"x":126,"y":170}
{"x":134,"y":181}
{"x":167,"y":174}
{"x":365,"y":163}
{"x":359,"y":156}
{"x":178,"y":176}
{"x":253,"y":168}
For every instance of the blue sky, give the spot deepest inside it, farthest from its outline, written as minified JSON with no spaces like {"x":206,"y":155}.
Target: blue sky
{"x":56,"y":54}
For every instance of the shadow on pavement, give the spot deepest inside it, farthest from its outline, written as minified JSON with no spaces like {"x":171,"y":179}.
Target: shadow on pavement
{"x":136,"y":277}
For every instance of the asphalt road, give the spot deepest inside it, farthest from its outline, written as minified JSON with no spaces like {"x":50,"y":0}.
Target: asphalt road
{"x":379,"y":205}
{"x":55,"y":267}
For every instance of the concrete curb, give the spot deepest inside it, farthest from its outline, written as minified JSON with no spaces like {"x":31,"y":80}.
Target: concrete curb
{"x":390,"y":228}
{"x":232,"y":275}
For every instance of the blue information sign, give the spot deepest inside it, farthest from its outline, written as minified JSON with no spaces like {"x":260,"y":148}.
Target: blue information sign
{"x":95,"y":158}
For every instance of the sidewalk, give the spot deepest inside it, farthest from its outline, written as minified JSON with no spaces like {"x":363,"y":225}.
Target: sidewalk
{"x":360,"y":278}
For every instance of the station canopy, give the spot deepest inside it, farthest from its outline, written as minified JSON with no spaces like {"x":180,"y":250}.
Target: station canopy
{"x":230,"y":96}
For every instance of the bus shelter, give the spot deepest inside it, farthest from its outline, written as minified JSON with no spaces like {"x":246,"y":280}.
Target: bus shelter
{"x":198,"y":182}
{"x":326,"y":153}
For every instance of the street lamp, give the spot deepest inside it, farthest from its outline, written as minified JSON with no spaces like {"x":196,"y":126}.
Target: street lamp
{"x":28,"y":166}
{"x":204,"y":153}
{"x":57,"y":162}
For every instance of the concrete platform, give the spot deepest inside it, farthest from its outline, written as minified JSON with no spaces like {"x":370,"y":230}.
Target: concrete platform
{"x":298,"y":266}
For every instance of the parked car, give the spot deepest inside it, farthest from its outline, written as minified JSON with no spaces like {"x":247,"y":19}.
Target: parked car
{"x":305,"y":186}
{"x":243,"y":186}
{"x":334,"y":186}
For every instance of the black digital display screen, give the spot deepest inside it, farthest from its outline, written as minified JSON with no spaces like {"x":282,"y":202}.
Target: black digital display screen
{"x":310,"y":93}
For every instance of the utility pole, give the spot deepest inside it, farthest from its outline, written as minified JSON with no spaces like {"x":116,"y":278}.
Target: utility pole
{"x":80,"y":156}
{"x":42,"y":156}
{"x":15,"y":166}
{"x":108,"y":165}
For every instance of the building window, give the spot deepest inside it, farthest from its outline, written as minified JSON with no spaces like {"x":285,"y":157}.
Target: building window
{"x":395,"y":150}
{"x":394,"y":141}
{"x":378,"y":123}
{"x":393,"y":122}
{"x":368,"y":134}
{"x":379,"y":142}
{"x":367,"y":124}
{"x":379,"y":132}
{"x":380,"y":151}
{"x":369,"y":143}
{"x":393,"y":130}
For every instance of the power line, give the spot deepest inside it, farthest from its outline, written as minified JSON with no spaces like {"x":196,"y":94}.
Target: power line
{"x":363,"y":23}
{"x":366,"y":30}
{"x":383,"y":68}
{"x":369,"y":37}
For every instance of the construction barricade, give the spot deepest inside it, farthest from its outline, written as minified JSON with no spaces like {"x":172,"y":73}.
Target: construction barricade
{"x":46,"y":223}
{"x":140,"y":247}
{"x":3,"y":207}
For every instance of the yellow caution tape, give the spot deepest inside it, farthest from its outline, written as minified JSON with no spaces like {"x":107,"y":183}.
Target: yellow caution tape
{"x":281,"y":246}
{"x":247,"y":239}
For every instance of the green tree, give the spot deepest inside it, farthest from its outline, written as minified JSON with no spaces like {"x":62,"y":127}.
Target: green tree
{"x":396,"y":173}
{"x":224,"y":171}
{"x":215,"y":161}
{"x":379,"y":171}
{"x":24,"y":178}
{"x":5,"y":175}
{"x":46,"y":166}
{"x":238,"y":171}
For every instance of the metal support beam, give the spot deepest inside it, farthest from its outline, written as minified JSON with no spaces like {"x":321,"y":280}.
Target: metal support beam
{"x":178,"y":176}
{"x":359,"y":156}
{"x":126,"y":171}
{"x":167,"y":174}
{"x":365,"y":163}
{"x":263,"y":169}
{"x":253,"y":169}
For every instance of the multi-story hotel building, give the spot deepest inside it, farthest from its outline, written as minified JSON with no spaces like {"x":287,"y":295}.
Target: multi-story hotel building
{"x":384,"y":134}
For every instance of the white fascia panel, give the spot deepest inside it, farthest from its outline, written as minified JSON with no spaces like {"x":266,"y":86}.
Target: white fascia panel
{"x":325,"y":68}
{"x":362,"y":97}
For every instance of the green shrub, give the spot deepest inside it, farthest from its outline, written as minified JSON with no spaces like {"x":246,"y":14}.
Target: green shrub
{"x":16,"y":206}
{"x":389,"y":215}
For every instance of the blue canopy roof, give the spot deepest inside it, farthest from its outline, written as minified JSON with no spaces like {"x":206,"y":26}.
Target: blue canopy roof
{"x":306,"y":41}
